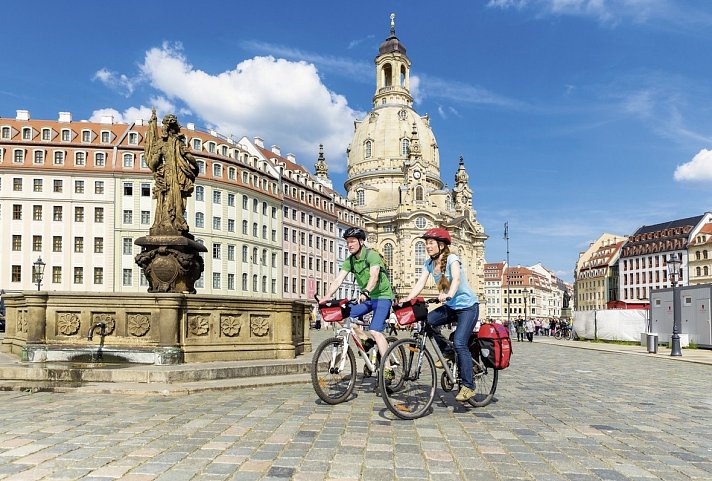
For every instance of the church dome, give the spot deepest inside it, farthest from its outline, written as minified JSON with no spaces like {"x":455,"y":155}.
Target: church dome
{"x":391,"y":45}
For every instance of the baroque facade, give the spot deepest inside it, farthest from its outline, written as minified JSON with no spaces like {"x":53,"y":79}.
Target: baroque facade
{"x":394,"y":180}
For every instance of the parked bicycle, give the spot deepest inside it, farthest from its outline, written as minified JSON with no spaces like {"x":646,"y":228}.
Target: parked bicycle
{"x":565,"y":332}
{"x":333,"y":368}
{"x":412,"y":391}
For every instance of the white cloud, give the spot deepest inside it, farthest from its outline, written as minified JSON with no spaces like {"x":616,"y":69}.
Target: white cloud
{"x":120,"y":83}
{"x":132,"y":114}
{"x":281,"y":101}
{"x":697,"y":169}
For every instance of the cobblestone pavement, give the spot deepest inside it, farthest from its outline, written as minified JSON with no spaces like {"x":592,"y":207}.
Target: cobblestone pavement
{"x":560,"y":414}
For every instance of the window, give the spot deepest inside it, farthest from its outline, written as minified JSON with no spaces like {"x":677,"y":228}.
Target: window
{"x":360,"y":197}
{"x":36,"y":243}
{"x":244,"y":281}
{"x":99,"y":159}
{"x":264,"y":231}
{"x":78,"y":186}
{"x":201,"y":167}
{"x":231,"y":282}
{"x":86,"y":136}
{"x":145,"y":190}
{"x":133,"y":138}
{"x":17,"y":242}
{"x":199,"y":220}
{"x":244,"y":253}
{"x":231,"y":200}
{"x":405,"y":147}
{"x":199,"y":193}
{"x":78,"y":275}
{"x":217,"y":197}
{"x":145,"y":217}
{"x":244,"y":202}
{"x":16,"y":274}
{"x":216,"y":223}
{"x":6,"y":132}
{"x":98,"y":275}
{"x":216,"y":250}
{"x":128,"y":188}
{"x":105,"y":137}
{"x":368,"y":149}
{"x":57,"y":186}
{"x":196,"y":144}
{"x":79,"y":214}
{"x":57,"y":243}
{"x":39,"y":156}
{"x":231,"y":252}
{"x":99,"y":187}
{"x":254,"y":229}
{"x":58,"y":157}
{"x":98,"y":215}
{"x":79,"y":244}
{"x":127,"y":277}
{"x":244,"y":227}
{"x":254,"y":205}
{"x":17,"y":184}
{"x":26,"y":133}
{"x":231,"y":225}
{"x":127,"y":246}
{"x":80,"y":159}
{"x":254,"y":255}
{"x":57,"y":213}
{"x":231,"y":173}
{"x":65,"y":135}
{"x":419,"y":257}
{"x":99,"y":245}
{"x":217,"y":170}
{"x":128,"y":217}
{"x":18,"y":156}
{"x":216,"y":280}
{"x":254,"y":283}
{"x":46,"y":134}
{"x":56,"y":275}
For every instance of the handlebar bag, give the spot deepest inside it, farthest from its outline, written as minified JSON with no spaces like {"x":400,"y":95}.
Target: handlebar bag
{"x":334,"y":310}
{"x":415,"y":310}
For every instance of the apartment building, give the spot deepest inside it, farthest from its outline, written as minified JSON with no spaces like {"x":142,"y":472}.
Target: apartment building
{"x":597,"y":273}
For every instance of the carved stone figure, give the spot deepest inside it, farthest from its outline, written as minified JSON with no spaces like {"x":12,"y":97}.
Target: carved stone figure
{"x":567,"y":298}
{"x":174,"y":171}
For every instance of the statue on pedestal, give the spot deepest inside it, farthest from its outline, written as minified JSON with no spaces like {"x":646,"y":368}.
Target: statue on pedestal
{"x":169,"y":256}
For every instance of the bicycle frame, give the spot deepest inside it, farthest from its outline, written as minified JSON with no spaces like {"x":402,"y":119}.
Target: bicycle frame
{"x":346,"y":332}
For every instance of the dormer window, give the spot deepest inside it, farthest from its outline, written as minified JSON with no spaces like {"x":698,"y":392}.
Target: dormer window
{"x":86,"y":136}
{"x":133,"y":138}
{"x":211,"y":147}
{"x":105,"y":137}
{"x":128,"y":160}
{"x":5,"y":133}
{"x":46,"y":134}
{"x":27,"y":133}
{"x":196,"y":144}
{"x":65,"y":135}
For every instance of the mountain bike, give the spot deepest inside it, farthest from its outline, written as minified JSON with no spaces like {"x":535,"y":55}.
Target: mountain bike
{"x":333,"y":368}
{"x":565,"y":332}
{"x":412,"y":391}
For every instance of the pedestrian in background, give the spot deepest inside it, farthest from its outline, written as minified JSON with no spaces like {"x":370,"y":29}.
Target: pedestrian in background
{"x":529,"y":328}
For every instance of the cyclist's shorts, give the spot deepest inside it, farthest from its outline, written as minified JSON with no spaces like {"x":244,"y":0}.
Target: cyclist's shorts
{"x":381,"y":309}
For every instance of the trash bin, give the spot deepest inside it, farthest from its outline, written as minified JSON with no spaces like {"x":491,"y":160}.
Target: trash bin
{"x":653,"y":342}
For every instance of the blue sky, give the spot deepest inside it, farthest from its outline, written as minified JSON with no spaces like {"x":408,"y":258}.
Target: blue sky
{"x":575,"y":117}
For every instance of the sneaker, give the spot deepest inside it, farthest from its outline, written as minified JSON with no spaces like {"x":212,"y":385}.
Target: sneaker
{"x":389,"y":375}
{"x":465,"y":394}
{"x":450,"y":356}
{"x":368,"y":343}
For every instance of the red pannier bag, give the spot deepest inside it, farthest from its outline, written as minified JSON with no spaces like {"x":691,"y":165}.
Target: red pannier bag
{"x":495,"y":345}
{"x":415,"y":310}
{"x":334,"y":310}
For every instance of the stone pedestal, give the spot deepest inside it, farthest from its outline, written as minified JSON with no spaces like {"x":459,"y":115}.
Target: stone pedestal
{"x":170,"y":263}
{"x":566,"y":313}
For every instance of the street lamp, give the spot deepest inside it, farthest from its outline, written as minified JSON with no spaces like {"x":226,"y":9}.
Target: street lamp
{"x":526,"y":294}
{"x":38,"y":268}
{"x":673,"y":266}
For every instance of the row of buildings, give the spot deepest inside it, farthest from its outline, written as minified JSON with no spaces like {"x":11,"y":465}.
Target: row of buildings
{"x":517,"y":292}
{"x":619,"y":272}
{"x":78,"y":194}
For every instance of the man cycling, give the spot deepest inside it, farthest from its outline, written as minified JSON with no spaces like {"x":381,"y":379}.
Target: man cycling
{"x":376,"y":291}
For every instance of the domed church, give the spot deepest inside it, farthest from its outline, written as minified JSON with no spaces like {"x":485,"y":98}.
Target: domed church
{"x":394,"y":180}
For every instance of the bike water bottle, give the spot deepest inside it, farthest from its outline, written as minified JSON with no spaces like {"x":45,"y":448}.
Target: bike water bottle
{"x":373,"y":355}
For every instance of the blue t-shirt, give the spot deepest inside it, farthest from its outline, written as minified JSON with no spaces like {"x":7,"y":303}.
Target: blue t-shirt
{"x":464,"y":296}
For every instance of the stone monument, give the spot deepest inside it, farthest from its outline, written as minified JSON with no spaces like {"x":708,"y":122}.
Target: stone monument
{"x":566,"y":308}
{"x":170,"y":256}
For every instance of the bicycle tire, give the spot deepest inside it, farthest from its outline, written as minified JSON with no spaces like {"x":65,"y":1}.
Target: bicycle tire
{"x":557,"y":335}
{"x":331,"y":386}
{"x":410,"y":395}
{"x":485,"y":380}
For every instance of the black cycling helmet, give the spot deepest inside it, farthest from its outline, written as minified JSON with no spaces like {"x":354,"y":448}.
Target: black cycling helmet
{"x":355,"y":232}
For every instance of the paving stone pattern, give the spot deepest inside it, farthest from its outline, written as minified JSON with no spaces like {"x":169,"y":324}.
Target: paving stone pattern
{"x":560,"y":414}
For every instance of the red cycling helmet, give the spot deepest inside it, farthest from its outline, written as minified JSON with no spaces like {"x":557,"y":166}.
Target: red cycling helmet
{"x":439,"y":234}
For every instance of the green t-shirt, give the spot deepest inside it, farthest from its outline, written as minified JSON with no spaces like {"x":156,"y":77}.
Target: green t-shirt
{"x":360,"y":270}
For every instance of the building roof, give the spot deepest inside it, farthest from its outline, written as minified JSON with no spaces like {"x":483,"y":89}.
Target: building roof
{"x":689,"y":221}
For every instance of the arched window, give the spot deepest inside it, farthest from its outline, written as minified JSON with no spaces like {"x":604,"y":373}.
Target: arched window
{"x":199,"y":220}
{"x":244,"y":281}
{"x":698,"y":255}
{"x":360,"y":197}
{"x":387,"y":75}
{"x":405,"y":147}
{"x":706,"y":270}
{"x":402,"y":76}
{"x":264,"y":283}
{"x":244,"y":253}
{"x":419,"y":193}
{"x":698,"y":271}
{"x":254,"y":282}
{"x":419,"y":254}
{"x":254,"y":255}
{"x":388,"y":253}
{"x":199,"y":193}
{"x":368,"y":147}
{"x":704,"y":254}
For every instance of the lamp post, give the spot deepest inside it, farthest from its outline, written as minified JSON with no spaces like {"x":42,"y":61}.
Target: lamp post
{"x":38,"y":268}
{"x":526,"y":294}
{"x":673,"y":266}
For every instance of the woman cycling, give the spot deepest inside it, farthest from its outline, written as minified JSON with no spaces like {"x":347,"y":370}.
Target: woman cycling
{"x":460,"y":302}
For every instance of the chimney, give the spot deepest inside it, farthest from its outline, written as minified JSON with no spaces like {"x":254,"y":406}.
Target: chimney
{"x":139,"y":122}
{"x":275,"y":150}
{"x":65,"y":117}
{"x":106,"y":119}
{"x":259,"y":142}
{"x":23,"y":115}
{"x":292,"y":157}
{"x":190,"y":126}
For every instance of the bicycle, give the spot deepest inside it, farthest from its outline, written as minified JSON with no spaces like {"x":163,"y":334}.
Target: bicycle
{"x":564,"y":332}
{"x":412,"y":391}
{"x":333,"y":368}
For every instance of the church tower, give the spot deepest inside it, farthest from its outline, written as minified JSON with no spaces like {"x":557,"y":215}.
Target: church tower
{"x":394,"y":179}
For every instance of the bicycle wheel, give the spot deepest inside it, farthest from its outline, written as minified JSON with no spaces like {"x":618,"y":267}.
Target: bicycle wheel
{"x":411,"y":393}
{"x":331,"y":383}
{"x":557,"y":335}
{"x":485,"y":380}
{"x":366,"y":371}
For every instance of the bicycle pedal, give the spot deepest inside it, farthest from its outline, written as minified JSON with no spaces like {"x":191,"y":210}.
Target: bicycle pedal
{"x":412,"y":349}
